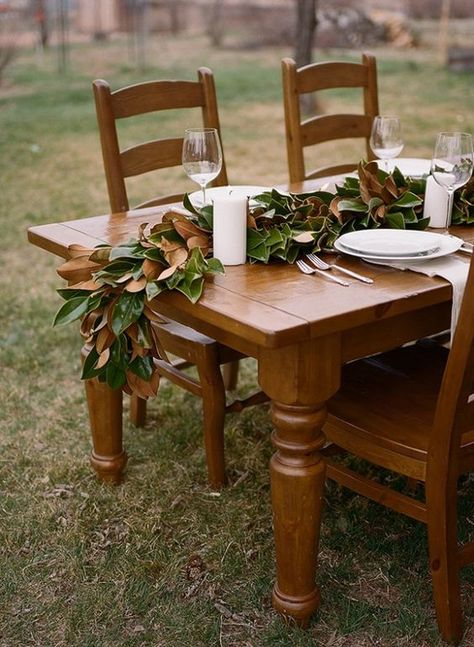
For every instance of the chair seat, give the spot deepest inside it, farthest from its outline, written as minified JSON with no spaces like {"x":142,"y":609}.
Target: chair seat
{"x":182,"y":341}
{"x":388,"y":401}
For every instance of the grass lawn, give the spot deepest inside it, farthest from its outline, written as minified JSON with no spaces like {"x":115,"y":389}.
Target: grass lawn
{"x":161,"y":560}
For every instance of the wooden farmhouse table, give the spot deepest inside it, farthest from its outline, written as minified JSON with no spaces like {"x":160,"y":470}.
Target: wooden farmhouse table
{"x":301,"y":329}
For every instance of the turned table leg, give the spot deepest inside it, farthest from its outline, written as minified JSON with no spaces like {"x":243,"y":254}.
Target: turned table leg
{"x":105,"y":415}
{"x":297,"y":483}
{"x":299,"y":379}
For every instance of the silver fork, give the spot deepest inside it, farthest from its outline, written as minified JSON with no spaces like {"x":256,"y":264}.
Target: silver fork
{"x":306,"y":269}
{"x":321,"y":265}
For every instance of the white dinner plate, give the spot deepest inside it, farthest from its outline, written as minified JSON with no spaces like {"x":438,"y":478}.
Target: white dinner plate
{"x":241,"y":191}
{"x":445,"y":245}
{"x":390,"y":242}
{"x":412,"y":166}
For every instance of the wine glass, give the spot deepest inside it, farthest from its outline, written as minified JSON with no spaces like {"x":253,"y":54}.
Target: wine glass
{"x":386,"y":138}
{"x":202,"y":156}
{"x":452,"y":163}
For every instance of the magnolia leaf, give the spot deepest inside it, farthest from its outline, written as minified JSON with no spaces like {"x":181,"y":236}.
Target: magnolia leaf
{"x":177,"y":256}
{"x":126,"y":310}
{"x":76,"y":251}
{"x":199,"y":241}
{"x":136,"y":286}
{"x":115,"y":376}
{"x":103,"y":358}
{"x":215,"y":266}
{"x":423,"y":223}
{"x":73,"y":291}
{"x":352,"y":205}
{"x":395,"y":220}
{"x":408,"y":200}
{"x":192,"y":289}
{"x":105,"y":338}
{"x":77,"y":269}
{"x":101,"y":254}
{"x":71,"y":310}
{"x":154,"y":254}
{"x":165,"y":274}
{"x":123,"y":279}
{"x":151,"y":269}
{"x":143,"y":388}
{"x":142,"y":366}
{"x":304,"y":237}
{"x":123,"y":251}
{"x":186,"y":229}
{"x":89,"y":366}
{"x":153,"y":289}
{"x":189,"y":205}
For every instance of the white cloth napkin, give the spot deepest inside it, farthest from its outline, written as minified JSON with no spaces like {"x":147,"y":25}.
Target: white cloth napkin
{"x":452,"y":268}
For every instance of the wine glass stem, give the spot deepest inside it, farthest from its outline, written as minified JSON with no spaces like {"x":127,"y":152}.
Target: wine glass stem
{"x":450,"y":206}
{"x":204,"y":194}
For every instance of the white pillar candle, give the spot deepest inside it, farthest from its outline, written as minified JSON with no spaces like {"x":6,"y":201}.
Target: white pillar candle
{"x":436,"y":204}
{"x":230,"y":229}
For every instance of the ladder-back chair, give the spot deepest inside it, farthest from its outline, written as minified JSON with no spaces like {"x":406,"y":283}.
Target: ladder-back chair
{"x":195,"y":349}
{"x":411,"y":411}
{"x":139,"y":99}
{"x":301,"y":133}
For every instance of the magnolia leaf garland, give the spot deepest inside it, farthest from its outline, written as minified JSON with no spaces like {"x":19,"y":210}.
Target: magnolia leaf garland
{"x":112,"y":289}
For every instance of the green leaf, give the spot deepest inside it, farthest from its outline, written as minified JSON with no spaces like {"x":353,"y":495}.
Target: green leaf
{"x":153,"y":288}
{"x":73,"y":309}
{"x":143,"y":367}
{"x":187,"y":204}
{"x":127,"y":309}
{"x":88,"y":368}
{"x":123,"y":251}
{"x":144,"y":333}
{"x":408,"y":199}
{"x":154,"y":254}
{"x":69,"y":293}
{"x":395,"y":220}
{"x":115,"y":375}
{"x":215,"y":266}
{"x":352,"y":205}
{"x":193,"y":289}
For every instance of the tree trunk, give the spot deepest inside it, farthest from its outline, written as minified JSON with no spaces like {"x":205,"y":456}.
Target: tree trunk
{"x":41,"y":19}
{"x":443,"y":36}
{"x":216,"y":27}
{"x":306,"y":23}
{"x":305,"y":30}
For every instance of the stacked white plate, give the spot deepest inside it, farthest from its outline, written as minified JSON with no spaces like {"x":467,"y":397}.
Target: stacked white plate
{"x":397,"y":244}
{"x":412,"y":166}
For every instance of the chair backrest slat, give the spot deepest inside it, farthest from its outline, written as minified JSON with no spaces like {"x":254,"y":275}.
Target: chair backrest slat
{"x":142,"y":98}
{"x":156,"y":95}
{"x":323,"y":128}
{"x":151,"y":156}
{"x":331,"y":75}
{"x":319,"y":129}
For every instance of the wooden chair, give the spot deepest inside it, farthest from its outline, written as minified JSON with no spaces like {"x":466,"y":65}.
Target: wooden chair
{"x":411,"y":411}
{"x":195,"y":349}
{"x":323,"y":128}
{"x":151,"y":96}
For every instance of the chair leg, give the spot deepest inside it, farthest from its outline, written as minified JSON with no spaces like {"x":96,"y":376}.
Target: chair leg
{"x":137,"y":411}
{"x":213,"y":408}
{"x":230,"y":373}
{"x":443,"y":549}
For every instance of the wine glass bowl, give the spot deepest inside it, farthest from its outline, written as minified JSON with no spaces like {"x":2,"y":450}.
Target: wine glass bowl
{"x":202,"y":156}
{"x":386,"y":139}
{"x":452,"y":163}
